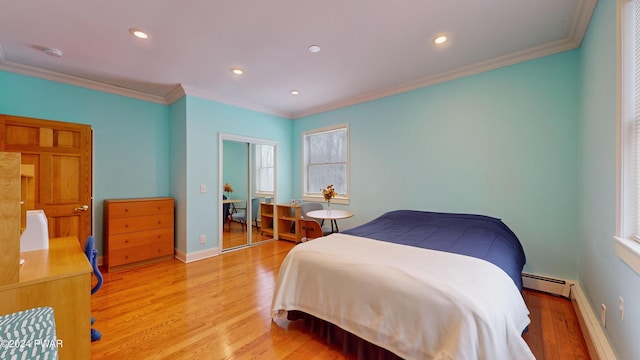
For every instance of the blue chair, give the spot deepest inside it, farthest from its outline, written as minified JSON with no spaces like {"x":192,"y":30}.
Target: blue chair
{"x":92,"y":255}
{"x":241,"y":216}
{"x":226,"y":213}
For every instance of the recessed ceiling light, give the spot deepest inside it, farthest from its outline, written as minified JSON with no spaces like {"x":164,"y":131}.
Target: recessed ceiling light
{"x":314,"y":48}
{"x":52,"y":52}
{"x":441,"y":39}
{"x":138,"y":33}
{"x":237,"y":71}
{"x":295,"y":92}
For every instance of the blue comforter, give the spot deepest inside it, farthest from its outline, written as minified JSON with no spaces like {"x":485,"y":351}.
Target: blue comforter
{"x":479,"y":236}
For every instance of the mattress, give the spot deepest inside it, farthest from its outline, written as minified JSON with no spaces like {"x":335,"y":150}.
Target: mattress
{"x":473,"y":235}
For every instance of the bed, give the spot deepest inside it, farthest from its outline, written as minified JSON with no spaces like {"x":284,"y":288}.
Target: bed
{"x":412,"y":284}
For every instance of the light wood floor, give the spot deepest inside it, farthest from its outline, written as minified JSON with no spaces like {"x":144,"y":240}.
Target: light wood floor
{"x":219,"y":308}
{"x":234,"y":236}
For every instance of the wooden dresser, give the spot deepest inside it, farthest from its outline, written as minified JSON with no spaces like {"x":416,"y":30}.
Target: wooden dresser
{"x":138,"y":231}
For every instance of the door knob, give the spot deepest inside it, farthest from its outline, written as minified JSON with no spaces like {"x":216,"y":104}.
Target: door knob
{"x":82,"y":208}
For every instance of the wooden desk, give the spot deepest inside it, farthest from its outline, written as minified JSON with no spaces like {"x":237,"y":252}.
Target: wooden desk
{"x":331,"y":215}
{"x":59,"y":277}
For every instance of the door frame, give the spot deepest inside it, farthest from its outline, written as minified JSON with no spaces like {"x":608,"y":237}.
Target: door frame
{"x":249,"y":140}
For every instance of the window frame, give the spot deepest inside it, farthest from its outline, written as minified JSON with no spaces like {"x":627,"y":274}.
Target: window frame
{"x":341,"y":198}
{"x":627,"y":237}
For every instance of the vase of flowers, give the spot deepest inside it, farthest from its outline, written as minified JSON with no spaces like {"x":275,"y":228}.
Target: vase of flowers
{"x":329,"y":193}
{"x":228,"y":189}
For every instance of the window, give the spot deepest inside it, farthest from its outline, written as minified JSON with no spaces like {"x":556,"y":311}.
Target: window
{"x":628,"y":232}
{"x":264,"y":156}
{"x":326,"y":162}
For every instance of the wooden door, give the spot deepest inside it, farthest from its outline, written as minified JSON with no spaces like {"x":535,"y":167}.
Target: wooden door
{"x":60,"y":155}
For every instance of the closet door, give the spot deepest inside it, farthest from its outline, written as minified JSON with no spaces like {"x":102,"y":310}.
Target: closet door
{"x":235,"y":176}
{"x":248,"y":167}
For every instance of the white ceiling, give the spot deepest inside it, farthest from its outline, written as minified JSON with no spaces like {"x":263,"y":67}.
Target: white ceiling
{"x":369,"y":48}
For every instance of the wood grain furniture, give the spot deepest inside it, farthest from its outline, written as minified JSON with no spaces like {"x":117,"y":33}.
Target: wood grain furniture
{"x":288,"y":217}
{"x":138,"y":231}
{"x":283,"y":219}
{"x":266,"y":219}
{"x":10,"y":215}
{"x":58,"y":277}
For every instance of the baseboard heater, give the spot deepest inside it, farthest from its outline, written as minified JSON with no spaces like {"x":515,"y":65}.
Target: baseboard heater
{"x":546,"y":284}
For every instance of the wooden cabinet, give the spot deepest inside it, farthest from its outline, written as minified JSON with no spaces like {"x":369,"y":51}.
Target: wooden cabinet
{"x":9,"y":217}
{"x":266,"y":219}
{"x":283,"y":218}
{"x":59,"y":277}
{"x":138,"y":231}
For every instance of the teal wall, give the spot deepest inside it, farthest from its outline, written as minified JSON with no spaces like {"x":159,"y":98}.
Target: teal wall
{"x":501,"y":143}
{"x":602,"y":274}
{"x":130,"y":137}
{"x":533,"y":143}
{"x":205,"y":121}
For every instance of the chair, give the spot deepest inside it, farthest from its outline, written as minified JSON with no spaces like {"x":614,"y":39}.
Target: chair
{"x":241,"y":215}
{"x":92,"y":255}
{"x":311,"y":206}
{"x":226,"y":213}
{"x":310,"y":229}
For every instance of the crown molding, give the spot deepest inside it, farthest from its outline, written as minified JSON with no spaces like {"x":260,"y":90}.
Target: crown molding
{"x":503,"y":61}
{"x":176,"y":94}
{"x":579,"y":25}
{"x":231,"y":101}
{"x":78,"y":81}
{"x":581,"y":19}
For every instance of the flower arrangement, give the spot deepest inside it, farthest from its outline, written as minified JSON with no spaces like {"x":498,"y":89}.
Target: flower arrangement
{"x":228,"y":189}
{"x":329,"y":193}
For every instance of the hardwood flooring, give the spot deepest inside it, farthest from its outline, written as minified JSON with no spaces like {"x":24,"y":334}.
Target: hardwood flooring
{"x":235,"y":236}
{"x":219,"y":308}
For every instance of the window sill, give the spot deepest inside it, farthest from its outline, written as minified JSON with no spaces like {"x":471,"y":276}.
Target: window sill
{"x":320,"y":198}
{"x":629,"y":251}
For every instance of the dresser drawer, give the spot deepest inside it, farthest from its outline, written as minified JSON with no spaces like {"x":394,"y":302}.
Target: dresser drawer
{"x":129,"y":255}
{"x":140,"y":223}
{"x":138,"y":231}
{"x":121,"y":209}
{"x":141,"y":238}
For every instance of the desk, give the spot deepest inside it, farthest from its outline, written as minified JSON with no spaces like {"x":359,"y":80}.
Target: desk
{"x":331,"y":215}
{"x":59,"y":277}
{"x":232,"y":202}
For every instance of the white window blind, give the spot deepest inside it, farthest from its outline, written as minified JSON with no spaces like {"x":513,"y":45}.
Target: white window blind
{"x":326,"y":161}
{"x":265,"y":174}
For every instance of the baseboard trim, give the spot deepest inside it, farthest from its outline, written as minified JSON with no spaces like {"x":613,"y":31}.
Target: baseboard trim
{"x":195,"y":256}
{"x":597,"y":341}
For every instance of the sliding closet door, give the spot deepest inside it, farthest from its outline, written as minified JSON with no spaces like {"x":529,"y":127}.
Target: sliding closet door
{"x":248,"y":167}
{"x":235,"y":177}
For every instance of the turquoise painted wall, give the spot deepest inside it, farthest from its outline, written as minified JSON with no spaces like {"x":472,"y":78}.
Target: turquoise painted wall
{"x":603,"y":276}
{"x":178,"y":167}
{"x":131,"y":137}
{"x":501,"y":143}
{"x":205,"y":120}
